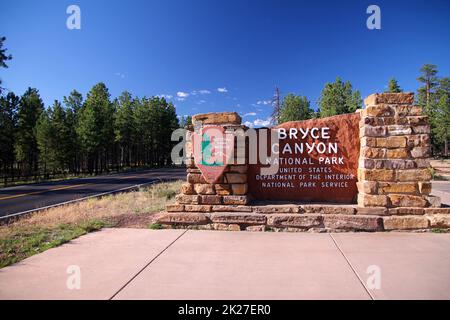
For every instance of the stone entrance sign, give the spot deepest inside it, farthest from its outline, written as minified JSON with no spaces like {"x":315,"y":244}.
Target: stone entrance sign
{"x":366,"y":171}
{"x":318,"y":162}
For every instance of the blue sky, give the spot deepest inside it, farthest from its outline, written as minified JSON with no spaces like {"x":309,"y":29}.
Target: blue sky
{"x":212,"y":55}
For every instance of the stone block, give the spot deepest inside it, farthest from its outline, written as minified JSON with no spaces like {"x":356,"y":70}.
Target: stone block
{"x":329,"y":209}
{"x":368,"y":131}
{"x":204,"y":189}
{"x":419,"y":140}
{"x":295,"y":221}
{"x":437,"y":210}
{"x":187,"y":189}
{"x":404,"y":111}
{"x":175,"y":207}
{"x":195,"y":178}
{"x":275,"y":209}
{"x":391,"y":142}
{"x":367,"y":200}
{"x":397,"y":187}
{"x":406,"y":200}
{"x":217,"y":118}
{"x":235,"y":200}
{"x":378,"y":111}
{"x":231,"y":208}
{"x":353,"y":223}
{"x":238,"y":218}
{"x":439,"y":221}
{"x":373,"y":153}
{"x":372,"y":211}
{"x":376,"y":175}
{"x":197,"y":208}
{"x":414,"y":175}
{"x":401,"y":153}
{"x":261,"y":228}
{"x":368,"y":187}
{"x":422,"y":163}
{"x":398,"y":164}
{"x":369,"y":142}
{"x":406,"y":211}
{"x":389,"y":98}
{"x":418,"y":120}
{"x":183,"y":218}
{"x":399,"y":130}
{"x":211,"y":199}
{"x":226,"y":227}
{"x":420,"y":152}
{"x":187,"y":199}
{"x":368,"y":164}
{"x":405,"y":223}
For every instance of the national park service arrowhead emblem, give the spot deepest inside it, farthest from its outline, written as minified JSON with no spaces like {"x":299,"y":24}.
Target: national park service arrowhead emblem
{"x":212,"y":149}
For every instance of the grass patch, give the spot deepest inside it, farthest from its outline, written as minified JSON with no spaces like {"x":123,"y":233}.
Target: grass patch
{"x":437,"y":230}
{"x":56,"y":226}
{"x":155,"y":226}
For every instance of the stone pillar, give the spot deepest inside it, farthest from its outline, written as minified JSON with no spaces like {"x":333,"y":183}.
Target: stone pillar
{"x":197,"y":195}
{"x":394,"y":169}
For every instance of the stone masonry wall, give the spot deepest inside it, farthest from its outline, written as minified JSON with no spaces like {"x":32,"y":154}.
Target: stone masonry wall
{"x":197,"y":195}
{"x":394,"y":169}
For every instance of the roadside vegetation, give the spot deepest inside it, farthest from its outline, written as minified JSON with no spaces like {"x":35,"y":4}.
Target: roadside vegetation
{"x":54,"y":227}
{"x":78,"y":135}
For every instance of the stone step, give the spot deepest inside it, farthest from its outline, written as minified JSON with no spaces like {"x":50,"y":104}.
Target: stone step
{"x":305,"y":221}
{"x":306,"y":209}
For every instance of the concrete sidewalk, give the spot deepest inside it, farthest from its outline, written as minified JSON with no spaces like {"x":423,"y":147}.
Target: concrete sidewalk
{"x":179,"y":264}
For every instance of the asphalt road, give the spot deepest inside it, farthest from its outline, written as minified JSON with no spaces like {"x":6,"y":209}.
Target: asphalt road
{"x":34,"y":196}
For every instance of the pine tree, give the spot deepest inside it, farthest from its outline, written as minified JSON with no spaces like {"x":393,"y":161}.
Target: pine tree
{"x":295,"y":108}
{"x":3,"y":58}
{"x":8,"y":126}
{"x":124,"y":127}
{"x":338,"y":98}
{"x":61,"y":136}
{"x":54,"y":140}
{"x":29,"y":111}
{"x":44,"y":138}
{"x":431,"y":98}
{"x":441,"y":118}
{"x":430,"y":81}
{"x":393,"y":86}
{"x":74,"y":106}
{"x":95,"y":128}
{"x":185,"y":121}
